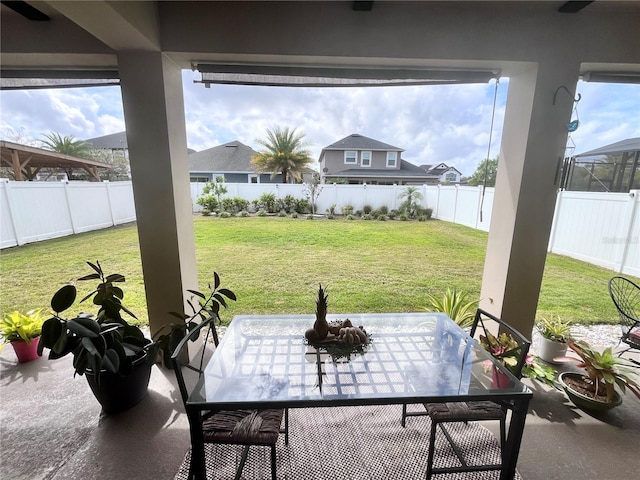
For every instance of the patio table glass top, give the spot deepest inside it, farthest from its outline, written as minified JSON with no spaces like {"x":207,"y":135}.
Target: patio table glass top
{"x":265,"y":361}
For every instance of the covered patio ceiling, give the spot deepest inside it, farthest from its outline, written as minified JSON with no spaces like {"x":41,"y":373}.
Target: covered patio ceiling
{"x":26,"y":162}
{"x":536,"y":44}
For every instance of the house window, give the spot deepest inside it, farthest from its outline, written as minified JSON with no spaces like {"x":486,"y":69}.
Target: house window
{"x":199,"y":179}
{"x":451,"y":177}
{"x":365,"y":159}
{"x":350,"y":157}
{"x":392,"y":158}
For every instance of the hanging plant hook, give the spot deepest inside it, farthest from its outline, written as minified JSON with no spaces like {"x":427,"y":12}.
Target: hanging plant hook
{"x":576,"y":100}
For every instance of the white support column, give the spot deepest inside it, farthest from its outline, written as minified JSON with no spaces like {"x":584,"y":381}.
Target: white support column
{"x":533,"y":141}
{"x":156,"y":136}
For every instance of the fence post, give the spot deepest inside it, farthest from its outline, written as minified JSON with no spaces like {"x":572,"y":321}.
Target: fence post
{"x":455,"y":205}
{"x":632,"y":204}
{"x":554,"y":224}
{"x":12,"y":221}
{"x":69,"y":207}
{"x":107,"y":185}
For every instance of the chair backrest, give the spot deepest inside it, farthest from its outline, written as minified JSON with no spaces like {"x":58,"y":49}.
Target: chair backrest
{"x":626,"y":297}
{"x":482,"y":323}
{"x":188,"y":366}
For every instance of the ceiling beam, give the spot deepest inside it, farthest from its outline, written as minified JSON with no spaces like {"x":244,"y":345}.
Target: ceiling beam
{"x":119,"y":25}
{"x":26,"y":10}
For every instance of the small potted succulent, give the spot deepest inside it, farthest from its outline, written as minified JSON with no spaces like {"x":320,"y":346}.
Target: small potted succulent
{"x":595,"y":389}
{"x":554,"y":334}
{"x":22,"y":330}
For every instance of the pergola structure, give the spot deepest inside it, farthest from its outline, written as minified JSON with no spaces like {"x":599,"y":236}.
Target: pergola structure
{"x":26,"y":162}
{"x":542,"y":47}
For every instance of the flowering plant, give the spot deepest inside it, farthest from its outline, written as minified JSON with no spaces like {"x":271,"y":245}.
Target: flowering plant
{"x":506,"y":349}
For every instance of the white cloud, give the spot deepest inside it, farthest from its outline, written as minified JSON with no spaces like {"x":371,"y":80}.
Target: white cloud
{"x":432,"y":124}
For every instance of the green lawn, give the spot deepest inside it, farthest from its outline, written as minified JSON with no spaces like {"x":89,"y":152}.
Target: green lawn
{"x":274,"y":265}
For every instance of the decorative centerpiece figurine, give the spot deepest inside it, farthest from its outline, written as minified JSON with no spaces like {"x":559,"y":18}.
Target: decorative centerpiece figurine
{"x":335,"y":332}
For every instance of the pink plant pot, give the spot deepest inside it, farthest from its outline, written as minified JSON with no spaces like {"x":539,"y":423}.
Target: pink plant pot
{"x":26,"y":351}
{"x":500,"y":380}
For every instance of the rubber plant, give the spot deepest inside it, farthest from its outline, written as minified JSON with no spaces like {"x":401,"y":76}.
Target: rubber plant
{"x":102,"y":343}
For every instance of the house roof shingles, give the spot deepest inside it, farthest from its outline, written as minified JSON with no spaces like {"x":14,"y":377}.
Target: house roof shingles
{"x":360,"y":142}
{"x":112,"y":141}
{"x":229,"y":157}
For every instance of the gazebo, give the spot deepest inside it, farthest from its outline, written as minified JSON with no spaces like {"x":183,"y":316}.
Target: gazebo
{"x":26,"y":162}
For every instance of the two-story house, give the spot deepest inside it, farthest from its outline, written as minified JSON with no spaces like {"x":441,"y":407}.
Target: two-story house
{"x":359,"y":159}
{"x":442,"y":173}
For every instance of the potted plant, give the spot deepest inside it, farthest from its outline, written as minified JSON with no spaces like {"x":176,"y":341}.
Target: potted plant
{"x":554,"y":334}
{"x":505,"y":348}
{"x":596,"y":388}
{"x":23,"y":331}
{"x":204,"y":307}
{"x":455,"y":305}
{"x":115,"y":357}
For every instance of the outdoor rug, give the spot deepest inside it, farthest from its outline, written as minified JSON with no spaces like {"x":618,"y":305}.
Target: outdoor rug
{"x":355,"y":443}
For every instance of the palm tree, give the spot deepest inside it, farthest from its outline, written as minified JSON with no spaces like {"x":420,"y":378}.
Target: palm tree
{"x":412,"y":202}
{"x":67,"y":145}
{"x":284,"y":152}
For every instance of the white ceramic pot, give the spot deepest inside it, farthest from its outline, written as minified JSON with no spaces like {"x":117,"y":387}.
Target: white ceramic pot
{"x":550,"y":349}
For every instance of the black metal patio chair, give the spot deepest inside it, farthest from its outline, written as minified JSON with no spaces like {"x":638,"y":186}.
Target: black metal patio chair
{"x":626,"y":297}
{"x":450,"y":412}
{"x":228,"y":427}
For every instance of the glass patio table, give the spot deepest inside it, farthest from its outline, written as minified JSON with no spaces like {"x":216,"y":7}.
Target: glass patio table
{"x":263,"y":361}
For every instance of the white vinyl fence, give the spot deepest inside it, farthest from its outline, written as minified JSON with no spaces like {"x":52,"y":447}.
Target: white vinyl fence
{"x":34,"y":211}
{"x":599,"y":228}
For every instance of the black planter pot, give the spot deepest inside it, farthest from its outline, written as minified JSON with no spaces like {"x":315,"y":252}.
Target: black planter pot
{"x":116,"y":393}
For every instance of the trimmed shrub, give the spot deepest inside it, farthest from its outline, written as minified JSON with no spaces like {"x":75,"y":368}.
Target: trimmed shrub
{"x":366,"y":216}
{"x":383,"y":210}
{"x":351,"y":217}
{"x":404,"y":217}
{"x":224,"y":215}
{"x":347,"y":210}
{"x":309,"y":217}
{"x":382,"y":218}
{"x":262,"y":212}
{"x":294,"y":215}
{"x":282,"y":213}
{"x":422,"y":218}
{"x":428,"y":212}
{"x":244,"y":213}
{"x":367,"y":209}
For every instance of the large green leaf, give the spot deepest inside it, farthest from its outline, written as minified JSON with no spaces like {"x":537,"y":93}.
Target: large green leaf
{"x":63,"y":298}
{"x":115,"y":277}
{"x":227,"y":293}
{"x":84,"y":327}
{"x":91,"y":276}
{"x":111,"y":361}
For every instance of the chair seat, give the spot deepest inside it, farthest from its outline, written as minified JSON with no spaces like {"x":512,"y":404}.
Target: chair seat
{"x":464,"y":411}
{"x":256,"y":427}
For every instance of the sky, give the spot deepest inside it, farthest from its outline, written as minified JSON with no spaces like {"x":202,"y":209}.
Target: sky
{"x":433,"y":124}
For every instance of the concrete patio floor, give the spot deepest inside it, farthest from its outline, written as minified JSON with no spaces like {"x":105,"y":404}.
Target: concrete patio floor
{"x":51,"y":428}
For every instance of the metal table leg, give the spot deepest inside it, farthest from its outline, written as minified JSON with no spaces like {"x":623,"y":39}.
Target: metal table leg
{"x":514,"y":438}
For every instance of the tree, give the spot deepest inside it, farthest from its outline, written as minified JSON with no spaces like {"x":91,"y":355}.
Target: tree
{"x":284,"y":152}
{"x":67,"y":145}
{"x":117,"y":159}
{"x":488,"y":168}
{"x":412,"y":197}
{"x":312,"y":191}
{"x":217,"y":188}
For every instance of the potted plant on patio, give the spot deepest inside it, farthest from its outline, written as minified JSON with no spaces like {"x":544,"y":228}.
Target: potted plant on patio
{"x":595,"y":389}
{"x":505,"y":348}
{"x":115,"y":357}
{"x":554,"y":334}
{"x":23,"y":331}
